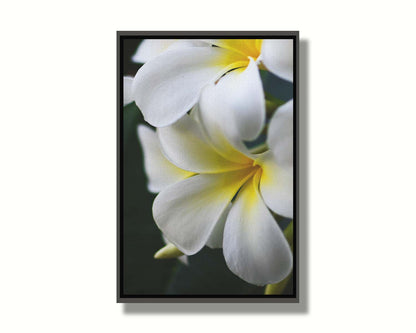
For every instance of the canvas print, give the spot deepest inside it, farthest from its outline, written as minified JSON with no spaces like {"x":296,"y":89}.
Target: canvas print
{"x":207,"y":166}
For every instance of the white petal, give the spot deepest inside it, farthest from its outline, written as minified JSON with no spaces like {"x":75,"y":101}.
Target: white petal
{"x":219,"y":125}
{"x":150,"y":48}
{"x":186,"y":212}
{"x":242,"y":94}
{"x":180,"y":43}
{"x":184,"y":144}
{"x":277,"y":56}
{"x":255,"y":248}
{"x":280,"y":134}
{"x":216,"y":237}
{"x":160,"y":172}
{"x":168,"y":86}
{"x":183,"y":259}
{"x":276,"y":185}
{"x":127,"y":92}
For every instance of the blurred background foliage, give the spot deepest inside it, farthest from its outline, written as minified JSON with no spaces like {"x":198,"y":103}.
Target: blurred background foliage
{"x":206,"y":272}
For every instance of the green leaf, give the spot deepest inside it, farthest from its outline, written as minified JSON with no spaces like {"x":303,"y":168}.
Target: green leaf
{"x":289,"y":234}
{"x":272,"y":104}
{"x":276,"y":87}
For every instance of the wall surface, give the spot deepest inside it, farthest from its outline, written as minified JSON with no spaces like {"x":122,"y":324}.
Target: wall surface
{"x":58,"y":169}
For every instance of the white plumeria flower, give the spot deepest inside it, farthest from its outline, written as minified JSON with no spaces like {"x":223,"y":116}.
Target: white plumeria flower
{"x":150,"y":48}
{"x":169,"y":85}
{"x":214,"y":192}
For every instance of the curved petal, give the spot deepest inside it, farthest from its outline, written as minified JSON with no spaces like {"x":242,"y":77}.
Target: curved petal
{"x":216,"y":237}
{"x":280,"y":134}
{"x":183,"y":258}
{"x":150,"y":48}
{"x":242,"y":94}
{"x":127,"y":95}
{"x":166,"y":87}
{"x":183,"y":144}
{"x":160,"y":172}
{"x":219,"y":125}
{"x":255,"y":248}
{"x":277,"y":56}
{"x":276,"y":185}
{"x":187,"y":211}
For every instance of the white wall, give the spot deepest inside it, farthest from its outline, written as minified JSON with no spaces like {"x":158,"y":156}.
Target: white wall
{"x":58,"y":167}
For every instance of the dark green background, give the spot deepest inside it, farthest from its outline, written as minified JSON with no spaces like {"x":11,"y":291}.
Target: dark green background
{"x":207,"y":272}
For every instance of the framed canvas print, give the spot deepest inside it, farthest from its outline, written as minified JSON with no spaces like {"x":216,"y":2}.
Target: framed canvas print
{"x":207,"y":166}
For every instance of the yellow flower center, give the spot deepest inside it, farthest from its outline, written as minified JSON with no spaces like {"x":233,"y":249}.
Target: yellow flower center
{"x":247,"y":47}
{"x":252,"y":174}
{"x":242,"y":51}
{"x":251,"y":183}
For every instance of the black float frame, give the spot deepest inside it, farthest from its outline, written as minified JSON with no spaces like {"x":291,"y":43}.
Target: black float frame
{"x":121,"y":296}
